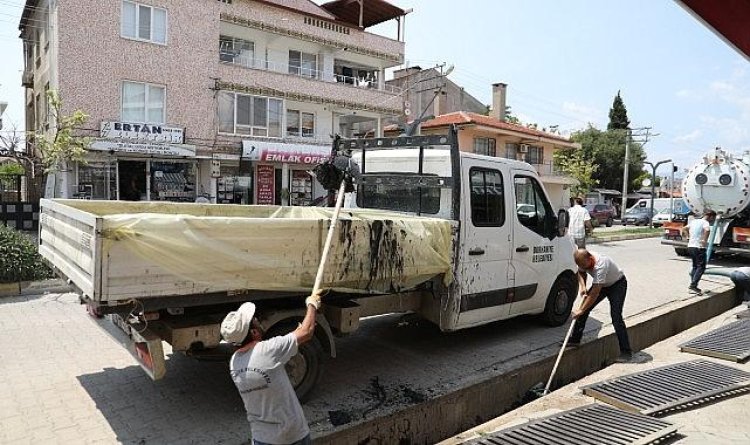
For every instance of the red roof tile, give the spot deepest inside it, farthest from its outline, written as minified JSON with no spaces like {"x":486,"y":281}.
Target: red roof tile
{"x":465,"y":117}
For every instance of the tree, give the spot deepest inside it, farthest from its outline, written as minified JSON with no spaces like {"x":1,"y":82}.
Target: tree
{"x":606,"y":150}
{"x":63,"y":144}
{"x":574,"y":164}
{"x":618,"y":115}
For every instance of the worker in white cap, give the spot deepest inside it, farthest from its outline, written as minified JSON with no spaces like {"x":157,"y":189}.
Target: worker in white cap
{"x":257,"y":369}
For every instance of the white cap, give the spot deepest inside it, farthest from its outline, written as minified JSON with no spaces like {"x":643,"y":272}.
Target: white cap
{"x":236,"y":324}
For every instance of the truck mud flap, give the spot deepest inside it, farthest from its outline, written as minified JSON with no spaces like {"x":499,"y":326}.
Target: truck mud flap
{"x":144,"y":346}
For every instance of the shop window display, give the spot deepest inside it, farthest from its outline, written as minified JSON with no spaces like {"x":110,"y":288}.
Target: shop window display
{"x":171,"y":181}
{"x":96,"y":180}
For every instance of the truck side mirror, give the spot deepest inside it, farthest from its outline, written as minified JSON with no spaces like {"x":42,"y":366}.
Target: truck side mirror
{"x":562,"y":222}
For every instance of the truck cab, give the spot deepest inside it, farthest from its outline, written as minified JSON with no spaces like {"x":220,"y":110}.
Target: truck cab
{"x":512,"y":256}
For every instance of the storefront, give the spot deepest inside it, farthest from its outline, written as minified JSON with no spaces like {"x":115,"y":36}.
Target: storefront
{"x":282,"y":172}
{"x":136,"y":162}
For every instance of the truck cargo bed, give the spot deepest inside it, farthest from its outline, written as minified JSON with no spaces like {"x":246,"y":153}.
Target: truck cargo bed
{"x":115,"y":251}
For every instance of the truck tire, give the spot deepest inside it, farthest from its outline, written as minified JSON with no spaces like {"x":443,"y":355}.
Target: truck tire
{"x":303,"y":369}
{"x":560,"y":301}
{"x":681,"y":251}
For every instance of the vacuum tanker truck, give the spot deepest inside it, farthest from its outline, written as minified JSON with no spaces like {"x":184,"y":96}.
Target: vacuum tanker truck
{"x":720,"y":182}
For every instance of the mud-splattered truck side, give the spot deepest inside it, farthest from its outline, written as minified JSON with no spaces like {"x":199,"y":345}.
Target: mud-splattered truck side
{"x":459,"y":239}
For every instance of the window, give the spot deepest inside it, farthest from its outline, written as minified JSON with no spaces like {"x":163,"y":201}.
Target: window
{"x":532,"y":207}
{"x":300,"y":124}
{"x":143,"y":102}
{"x":390,"y":195}
{"x":234,"y":50}
{"x":143,"y":22}
{"x":303,"y":64}
{"x":487,"y":198}
{"x":485,"y":146}
{"x":511,"y":150}
{"x":535,"y":155}
{"x":38,"y":111}
{"x":46,"y":112}
{"x":249,"y":115}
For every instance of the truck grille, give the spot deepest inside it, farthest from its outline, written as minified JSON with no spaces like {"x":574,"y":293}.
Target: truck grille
{"x":591,"y":424}
{"x":730,"y":342}
{"x":672,"y":387}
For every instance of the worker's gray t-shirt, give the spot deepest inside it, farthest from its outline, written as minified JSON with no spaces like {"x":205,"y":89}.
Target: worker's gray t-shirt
{"x":273,"y":409}
{"x":605,"y":271}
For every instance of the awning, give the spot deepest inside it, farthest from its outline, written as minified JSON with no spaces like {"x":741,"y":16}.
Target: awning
{"x":372,"y":11}
{"x":728,"y":19}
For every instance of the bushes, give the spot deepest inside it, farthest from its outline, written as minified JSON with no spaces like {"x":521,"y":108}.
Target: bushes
{"x":19,"y":259}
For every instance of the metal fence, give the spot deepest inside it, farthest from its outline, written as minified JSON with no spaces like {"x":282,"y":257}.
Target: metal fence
{"x":19,"y":201}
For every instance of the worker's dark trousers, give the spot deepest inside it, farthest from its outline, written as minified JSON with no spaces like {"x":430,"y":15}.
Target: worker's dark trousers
{"x":742,"y":282}
{"x":698,"y":256}
{"x":616,"y":295}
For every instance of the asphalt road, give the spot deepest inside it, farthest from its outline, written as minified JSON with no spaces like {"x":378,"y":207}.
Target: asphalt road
{"x":65,"y":378}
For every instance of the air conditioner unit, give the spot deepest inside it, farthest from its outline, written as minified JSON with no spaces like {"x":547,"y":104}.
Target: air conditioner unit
{"x":524,"y":148}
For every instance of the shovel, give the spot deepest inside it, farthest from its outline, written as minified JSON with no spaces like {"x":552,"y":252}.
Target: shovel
{"x":538,"y":391}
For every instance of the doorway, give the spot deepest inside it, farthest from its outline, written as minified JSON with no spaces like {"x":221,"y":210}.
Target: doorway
{"x":132,"y":183}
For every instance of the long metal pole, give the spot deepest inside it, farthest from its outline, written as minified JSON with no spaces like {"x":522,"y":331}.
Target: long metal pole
{"x":653,"y":191}
{"x":671,"y":194}
{"x":624,"y":205}
{"x":329,"y":237}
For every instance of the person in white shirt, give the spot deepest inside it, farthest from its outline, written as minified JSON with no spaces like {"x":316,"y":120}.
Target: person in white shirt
{"x":608,"y":281}
{"x":257,"y":369}
{"x":697,"y":232}
{"x":579,"y":223}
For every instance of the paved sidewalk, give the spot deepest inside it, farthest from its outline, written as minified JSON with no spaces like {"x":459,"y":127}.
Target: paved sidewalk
{"x":722,"y":422}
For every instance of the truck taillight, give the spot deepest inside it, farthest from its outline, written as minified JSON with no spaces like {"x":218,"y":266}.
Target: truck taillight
{"x":741,"y":238}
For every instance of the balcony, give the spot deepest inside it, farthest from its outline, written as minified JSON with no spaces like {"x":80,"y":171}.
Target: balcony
{"x":368,"y":80}
{"x":27,"y":78}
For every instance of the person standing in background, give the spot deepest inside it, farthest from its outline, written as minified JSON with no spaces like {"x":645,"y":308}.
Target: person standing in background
{"x":579,"y":223}
{"x":697,"y":232}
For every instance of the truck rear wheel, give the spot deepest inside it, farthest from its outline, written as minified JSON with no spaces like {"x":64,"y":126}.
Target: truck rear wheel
{"x":560,"y":301}
{"x":303,"y":369}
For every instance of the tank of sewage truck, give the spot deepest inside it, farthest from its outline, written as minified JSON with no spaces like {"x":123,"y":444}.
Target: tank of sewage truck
{"x":719,"y":182}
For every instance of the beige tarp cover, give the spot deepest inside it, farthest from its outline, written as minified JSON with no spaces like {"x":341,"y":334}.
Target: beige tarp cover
{"x":278,"y":248}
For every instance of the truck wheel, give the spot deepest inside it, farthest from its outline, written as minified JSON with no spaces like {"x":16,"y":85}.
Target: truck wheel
{"x":681,"y":251}
{"x":560,"y":301}
{"x":303,"y":369}
{"x":609,"y":222}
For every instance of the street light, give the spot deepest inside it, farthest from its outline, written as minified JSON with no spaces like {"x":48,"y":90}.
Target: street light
{"x":653,"y":185}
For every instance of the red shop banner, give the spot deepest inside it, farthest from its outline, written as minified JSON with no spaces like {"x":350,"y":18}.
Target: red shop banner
{"x":265,"y":182}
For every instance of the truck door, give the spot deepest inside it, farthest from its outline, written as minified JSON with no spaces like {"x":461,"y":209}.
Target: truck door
{"x":485,"y":244}
{"x":533,"y":255}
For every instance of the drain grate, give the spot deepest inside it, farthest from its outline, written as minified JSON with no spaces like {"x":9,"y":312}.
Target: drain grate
{"x":730,"y":342}
{"x":592,"y":424}
{"x":656,"y":391}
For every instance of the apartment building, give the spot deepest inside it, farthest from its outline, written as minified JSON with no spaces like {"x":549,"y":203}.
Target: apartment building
{"x":230,"y":101}
{"x":493,"y":136}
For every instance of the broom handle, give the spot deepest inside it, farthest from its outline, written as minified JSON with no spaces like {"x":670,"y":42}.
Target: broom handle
{"x":327,"y":245}
{"x":559,"y":357}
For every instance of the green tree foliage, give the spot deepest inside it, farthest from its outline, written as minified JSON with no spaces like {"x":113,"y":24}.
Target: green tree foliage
{"x":63,"y":144}
{"x":510,"y":117}
{"x":19,"y":259}
{"x":11,"y":169}
{"x":618,"y":115}
{"x":574,"y":164}
{"x":606,"y":150}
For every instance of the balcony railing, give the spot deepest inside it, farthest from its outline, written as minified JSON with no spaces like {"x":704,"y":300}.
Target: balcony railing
{"x":277,"y":67}
{"x":548,"y":169}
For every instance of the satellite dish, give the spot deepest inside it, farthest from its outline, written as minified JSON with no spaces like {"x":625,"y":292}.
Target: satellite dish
{"x":646,"y":182}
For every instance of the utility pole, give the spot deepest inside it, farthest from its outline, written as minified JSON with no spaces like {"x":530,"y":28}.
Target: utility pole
{"x":626,"y":167}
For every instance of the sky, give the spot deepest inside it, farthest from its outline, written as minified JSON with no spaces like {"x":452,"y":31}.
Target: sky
{"x":563,"y":61}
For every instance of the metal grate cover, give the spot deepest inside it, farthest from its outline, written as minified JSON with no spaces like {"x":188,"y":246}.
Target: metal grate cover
{"x":730,"y":342}
{"x":589,"y":425}
{"x":670,"y":387}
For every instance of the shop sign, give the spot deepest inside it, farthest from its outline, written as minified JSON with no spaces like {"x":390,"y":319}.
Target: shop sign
{"x":141,"y":132}
{"x":285,"y":153}
{"x":265,"y":182}
{"x":156,"y":149}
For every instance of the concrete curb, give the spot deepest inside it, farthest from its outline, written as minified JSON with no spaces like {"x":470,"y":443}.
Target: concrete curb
{"x":606,"y":239}
{"x":455,"y":412}
{"x":54,"y":285}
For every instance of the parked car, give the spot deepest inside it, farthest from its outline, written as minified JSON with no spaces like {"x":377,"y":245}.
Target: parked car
{"x":601,"y":214}
{"x":638,"y":216}
{"x":662,"y":216}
